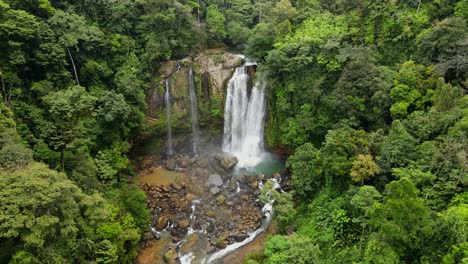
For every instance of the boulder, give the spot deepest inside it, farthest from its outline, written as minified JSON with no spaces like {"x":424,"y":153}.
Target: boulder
{"x":211,"y":250}
{"x":177,"y":186}
{"x":261,"y":176}
{"x":221,"y":243}
{"x":184,"y":161}
{"x":214,"y":190}
{"x":184,"y":223}
{"x":199,"y":172}
{"x":148,"y":236}
{"x":220,"y":199}
{"x":240,"y":237}
{"x":171,"y":164}
{"x":232,"y":186}
{"x":162,"y":222}
{"x":190,"y":244}
{"x":202,"y":162}
{"x":170,"y":256}
{"x":226,"y":161}
{"x":190,"y":196}
{"x":254,"y":185}
{"x":215,"y":180}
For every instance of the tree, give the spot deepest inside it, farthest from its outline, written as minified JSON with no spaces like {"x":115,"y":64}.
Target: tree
{"x":113,"y":113}
{"x":306,"y":169}
{"x":67,"y":110}
{"x":215,"y":25}
{"x":261,"y":41}
{"x":71,"y":29}
{"x":403,"y":219}
{"x":339,"y":152}
{"x":363,"y":168}
{"x":13,"y":154}
{"x":398,"y":148}
{"x":445,"y":46}
{"x":53,"y":220}
{"x":295,"y":249}
{"x":361,"y":93}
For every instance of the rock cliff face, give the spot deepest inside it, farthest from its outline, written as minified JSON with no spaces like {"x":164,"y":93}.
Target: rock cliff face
{"x":211,"y":74}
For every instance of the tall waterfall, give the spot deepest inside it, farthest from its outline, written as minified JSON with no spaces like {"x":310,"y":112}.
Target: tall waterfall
{"x":167,"y":99}
{"x":244,"y":119}
{"x":194,"y":110}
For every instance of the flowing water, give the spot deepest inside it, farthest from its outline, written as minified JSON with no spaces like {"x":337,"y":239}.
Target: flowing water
{"x":244,"y":115}
{"x":167,"y":99}
{"x":194,"y":111}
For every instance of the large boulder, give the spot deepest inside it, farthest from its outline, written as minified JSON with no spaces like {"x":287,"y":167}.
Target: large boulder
{"x":226,"y":161}
{"x":215,"y":180}
{"x":214,"y":190}
{"x":162,"y":222}
{"x":184,"y":161}
{"x":184,"y":223}
{"x":171,"y":164}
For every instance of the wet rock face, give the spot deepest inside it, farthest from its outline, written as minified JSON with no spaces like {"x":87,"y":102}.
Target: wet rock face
{"x":212,"y":73}
{"x":217,"y":70}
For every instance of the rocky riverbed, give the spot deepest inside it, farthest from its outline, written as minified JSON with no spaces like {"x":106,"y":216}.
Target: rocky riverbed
{"x":198,"y":204}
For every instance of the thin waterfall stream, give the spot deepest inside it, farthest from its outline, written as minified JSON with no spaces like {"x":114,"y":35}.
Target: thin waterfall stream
{"x":194,"y":111}
{"x":167,"y":100}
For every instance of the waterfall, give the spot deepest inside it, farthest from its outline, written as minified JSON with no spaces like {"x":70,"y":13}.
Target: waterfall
{"x":244,"y":119}
{"x":194,"y":110}
{"x":167,"y":99}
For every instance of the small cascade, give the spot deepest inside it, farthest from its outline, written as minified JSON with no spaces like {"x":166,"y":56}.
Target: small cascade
{"x":167,"y":99}
{"x":178,"y":66}
{"x":192,"y":216}
{"x":194,"y":111}
{"x":244,"y":118}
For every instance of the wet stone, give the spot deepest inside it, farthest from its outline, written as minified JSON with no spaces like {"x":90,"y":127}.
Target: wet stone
{"x":215,"y":180}
{"x":214,"y":190}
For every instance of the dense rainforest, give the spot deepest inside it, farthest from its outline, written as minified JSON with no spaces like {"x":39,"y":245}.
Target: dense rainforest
{"x":369,"y":98}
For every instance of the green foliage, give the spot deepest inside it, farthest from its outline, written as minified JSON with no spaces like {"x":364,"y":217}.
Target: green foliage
{"x":398,"y":148}
{"x":237,"y":33}
{"x":215,"y":24}
{"x":50,"y":215}
{"x":444,"y":45}
{"x":109,"y":163}
{"x":293,"y":249}
{"x":305,"y":164}
{"x":461,"y":9}
{"x":261,"y":40}
{"x":13,"y":154}
{"x":371,"y":92}
{"x":363,"y":168}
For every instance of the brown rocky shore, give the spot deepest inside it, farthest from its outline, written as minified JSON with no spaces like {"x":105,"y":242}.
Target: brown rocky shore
{"x":197,"y":204}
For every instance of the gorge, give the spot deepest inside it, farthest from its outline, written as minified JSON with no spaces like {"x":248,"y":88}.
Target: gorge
{"x":133,"y":132}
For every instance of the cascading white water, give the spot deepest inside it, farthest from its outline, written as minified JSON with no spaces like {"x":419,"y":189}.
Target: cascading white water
{"x":167,"y":99}
{"x":244,"y":119}
{"x":194,"y":111}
